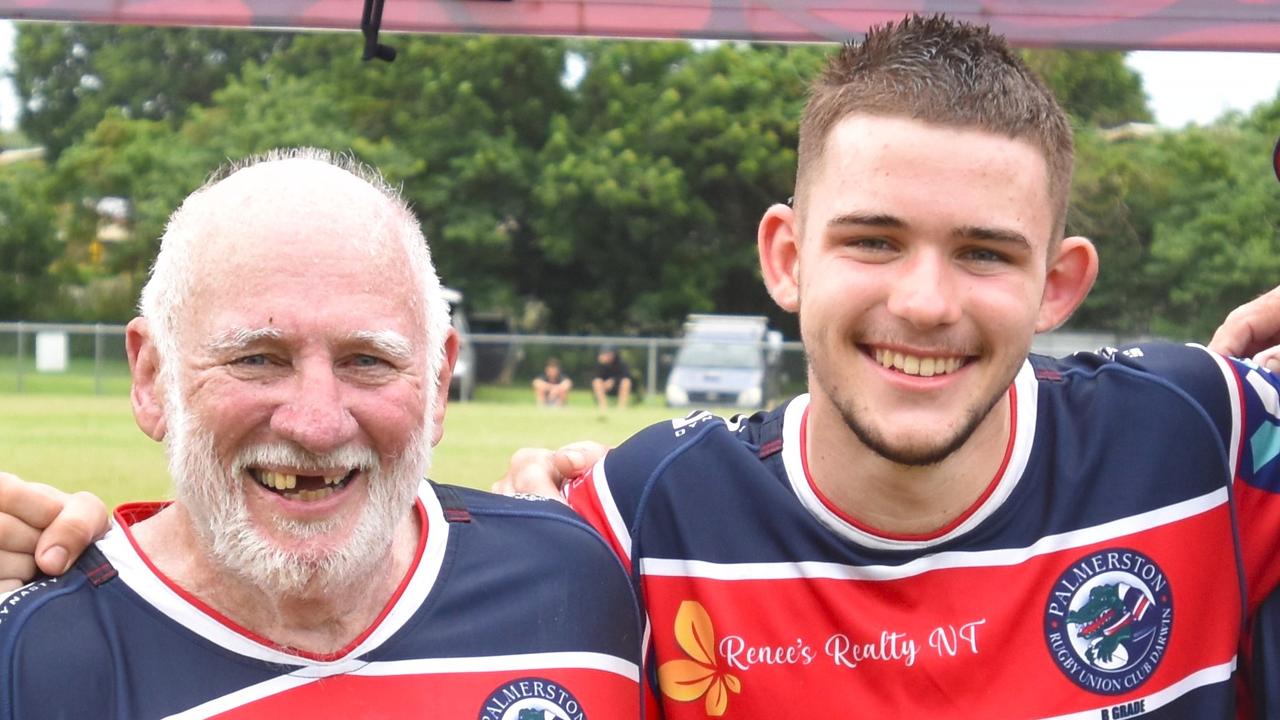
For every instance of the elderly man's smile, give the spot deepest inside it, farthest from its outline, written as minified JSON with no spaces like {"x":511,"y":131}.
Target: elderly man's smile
{"x":303,"y":487}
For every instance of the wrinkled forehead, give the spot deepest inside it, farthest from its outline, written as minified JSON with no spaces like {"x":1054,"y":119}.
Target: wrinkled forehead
{"x":299,"y":232}
{"x":296,"y":217}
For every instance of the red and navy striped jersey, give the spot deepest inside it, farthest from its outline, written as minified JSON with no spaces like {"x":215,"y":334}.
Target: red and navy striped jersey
{"x":1111,"y":569}
{"x":476,"y":630}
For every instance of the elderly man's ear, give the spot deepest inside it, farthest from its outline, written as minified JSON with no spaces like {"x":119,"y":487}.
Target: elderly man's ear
{"x":442,"y":384}
{"x":147,"y":395}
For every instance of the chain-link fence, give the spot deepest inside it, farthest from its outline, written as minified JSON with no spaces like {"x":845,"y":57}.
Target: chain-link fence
{"x":515,"y":360}
{"x":90,"y":359}
{"x":60,"y":358}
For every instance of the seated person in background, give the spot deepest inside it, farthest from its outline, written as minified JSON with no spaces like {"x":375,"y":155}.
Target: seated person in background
{"x":613,"y":377}
{"x":551,"y":388}
{"x":294,"y":353}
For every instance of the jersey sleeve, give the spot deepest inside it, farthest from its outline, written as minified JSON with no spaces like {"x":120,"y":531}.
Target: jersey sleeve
{"x":610,"y":498}
{"x":1240,"y":402}
{"x":1255,"y":448}
{"x":610,"y":495}
{"x":55,"y":661}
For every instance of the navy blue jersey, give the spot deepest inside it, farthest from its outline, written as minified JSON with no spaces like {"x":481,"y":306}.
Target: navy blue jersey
{"x":1110,"y":569}
{"x":487,"y":624}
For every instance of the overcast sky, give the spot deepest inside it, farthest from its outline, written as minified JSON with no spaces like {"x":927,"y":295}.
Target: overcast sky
{"x":1183,"y":86}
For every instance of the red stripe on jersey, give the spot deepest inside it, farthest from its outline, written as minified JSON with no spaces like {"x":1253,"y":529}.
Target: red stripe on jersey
{"x":953,"y":642}
{"x":1259,"y":513}
{"x":583,"y":498}
{"x":230,"y":624}
{"x":596,"y":694}
{"x":921,"y":537}
{"x":135,"y":512}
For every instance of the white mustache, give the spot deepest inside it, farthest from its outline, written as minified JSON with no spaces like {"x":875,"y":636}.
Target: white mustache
{"x":286,"y":454}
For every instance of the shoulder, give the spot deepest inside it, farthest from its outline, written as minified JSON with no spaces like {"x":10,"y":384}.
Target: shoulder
{"x":546,"y":552}
{"x":701,"y":437}
{"x":1191,"y":370}
{"x":1160,"y":379}
{"x":527,"y":522}
{"x":54,"y":650}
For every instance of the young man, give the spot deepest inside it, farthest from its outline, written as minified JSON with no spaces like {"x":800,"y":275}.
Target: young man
{"x":551,"y":388}
{"x":612,"y":378}
{"x":305,"y":567}
{"x":943,"y":527}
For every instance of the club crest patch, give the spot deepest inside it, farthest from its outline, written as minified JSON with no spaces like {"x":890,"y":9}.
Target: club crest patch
{"x":1108,"y":620}
{"x":532,"y":698}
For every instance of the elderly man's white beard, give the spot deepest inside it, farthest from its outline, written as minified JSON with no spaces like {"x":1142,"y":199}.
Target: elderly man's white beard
{"x":213,"y":497}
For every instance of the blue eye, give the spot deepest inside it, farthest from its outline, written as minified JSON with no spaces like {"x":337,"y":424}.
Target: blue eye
{"x":984,"y":255}
{"x":366,"y":361}
{"x":252,"y":360}
{"x":872,"y":243}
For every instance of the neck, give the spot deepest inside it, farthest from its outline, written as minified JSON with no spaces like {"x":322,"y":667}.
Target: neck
{"x":902,"y":499}
{"x":323,"y":617}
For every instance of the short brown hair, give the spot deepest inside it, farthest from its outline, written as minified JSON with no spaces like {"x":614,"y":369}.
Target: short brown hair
{"x":942,"y":72}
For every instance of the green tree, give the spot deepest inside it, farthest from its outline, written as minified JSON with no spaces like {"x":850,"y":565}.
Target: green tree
{"x":28,"y":244}
{"x":1218,"y":242}
{"x":652,"y":189}
{"x":1095,"y":87}
{"x":69,"y":76}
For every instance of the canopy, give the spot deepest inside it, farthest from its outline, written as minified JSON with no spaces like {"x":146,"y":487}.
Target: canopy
{"x":1252,"y":25}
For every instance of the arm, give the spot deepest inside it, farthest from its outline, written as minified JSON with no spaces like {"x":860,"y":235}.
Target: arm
{"x":45,"y":527}
{"x":1253,"y":329}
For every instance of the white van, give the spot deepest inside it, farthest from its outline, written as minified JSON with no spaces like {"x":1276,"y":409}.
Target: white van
{"x":725,"y":360}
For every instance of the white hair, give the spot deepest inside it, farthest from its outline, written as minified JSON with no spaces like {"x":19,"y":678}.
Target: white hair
{"x":165,"y":297}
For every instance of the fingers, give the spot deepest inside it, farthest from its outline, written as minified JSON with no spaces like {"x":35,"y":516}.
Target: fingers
{"x":1251,"y":329}
{"x":577,"y":458}
{"x":531,"y":472}
{"x":16,"y":569}
{"x":32,"y":503}
{"x":82,"y":520}
{"x":1269,"y":359}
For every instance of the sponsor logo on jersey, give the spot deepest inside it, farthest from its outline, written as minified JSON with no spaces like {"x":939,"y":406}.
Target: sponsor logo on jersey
{"x":1108,"y":620}
{"x":699,"y":675}
{"x":532,"y":698}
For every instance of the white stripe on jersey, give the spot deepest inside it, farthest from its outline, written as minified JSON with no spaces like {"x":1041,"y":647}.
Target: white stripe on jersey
{"x":955,"y":559}
{"x":424,"y":666}
{"x":612,"y":515}
{"x":505,"y":663}
{"x":1160,"y":698}
{"x":135,"y":573}
{"x":240,"y":697}
{"x":1237,"y":406}
{"x":1026,"y":393}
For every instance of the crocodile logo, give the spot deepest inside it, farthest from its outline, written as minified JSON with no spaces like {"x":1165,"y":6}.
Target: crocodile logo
{"x":1108,"y":620}
{"x":1113,"y":619}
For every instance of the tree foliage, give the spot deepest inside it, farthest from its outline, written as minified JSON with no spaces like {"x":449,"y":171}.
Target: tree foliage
{"x":615,"y":198}
{"x":70,"y":76}
{"x":27,"y":246}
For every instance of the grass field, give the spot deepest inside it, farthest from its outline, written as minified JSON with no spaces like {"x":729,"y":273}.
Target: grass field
{"x":85,"y":442}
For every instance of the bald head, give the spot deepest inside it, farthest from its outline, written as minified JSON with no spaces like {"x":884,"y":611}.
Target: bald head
{"x":287,"y":219}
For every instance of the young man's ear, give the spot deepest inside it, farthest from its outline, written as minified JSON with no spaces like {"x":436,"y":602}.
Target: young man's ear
{"x":146,"y":395}
{"x":442,"y":384}
{"x":1072,"y":271}
{"x":778,"y":243}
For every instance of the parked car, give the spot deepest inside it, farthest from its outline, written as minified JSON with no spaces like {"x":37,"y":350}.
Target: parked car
{"x":727,"y":360}
{"x":463,"y":384}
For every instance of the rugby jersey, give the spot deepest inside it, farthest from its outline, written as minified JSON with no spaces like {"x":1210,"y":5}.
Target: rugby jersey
{"x":1110,"y":570}
{"x":512,"y":610}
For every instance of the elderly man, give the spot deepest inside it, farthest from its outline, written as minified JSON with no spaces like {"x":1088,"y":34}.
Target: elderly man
{"x":294,"y":353}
